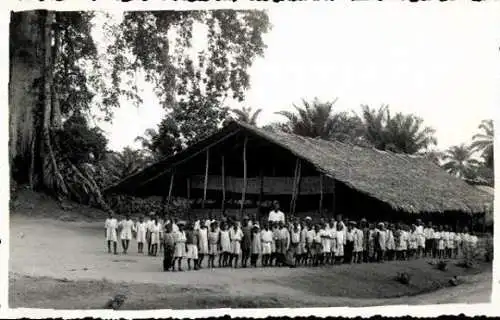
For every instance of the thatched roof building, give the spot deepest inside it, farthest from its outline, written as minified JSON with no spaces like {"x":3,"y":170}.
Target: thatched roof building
{"x":241,"y":158}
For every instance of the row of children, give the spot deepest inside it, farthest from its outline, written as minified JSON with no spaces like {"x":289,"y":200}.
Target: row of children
{"x":301,"y":242}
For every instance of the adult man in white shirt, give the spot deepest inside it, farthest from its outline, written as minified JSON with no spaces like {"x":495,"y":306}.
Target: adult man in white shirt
{"x":429,"y":239}
{"x":276,"y":215}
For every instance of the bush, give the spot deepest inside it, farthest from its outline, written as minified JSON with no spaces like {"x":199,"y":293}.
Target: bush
{"x":442,"y":265}
{"x":403,"y":278}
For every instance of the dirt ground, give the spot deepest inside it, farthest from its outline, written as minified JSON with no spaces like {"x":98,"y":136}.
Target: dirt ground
{"x":64,"y":265}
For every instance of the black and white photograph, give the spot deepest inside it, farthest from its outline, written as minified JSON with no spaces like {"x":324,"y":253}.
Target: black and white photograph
{"x":290,"y":156}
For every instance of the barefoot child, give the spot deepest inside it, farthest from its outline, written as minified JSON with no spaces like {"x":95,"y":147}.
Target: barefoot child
{"x":126,"y":232}
{"x":391,"y":243}
{"x":441,"y":242}
{"x":155,"y":237}
{"x":213,"y":244}
{"x":318,"y":250}
{"x":140,"y":229}
{"x":256,"y":245}
{"x":235,"y":235}
{"x":340,"y":241}
{"x":202,"y":244}
{"x":180,"y":246}
{"x":168,"y":248}
{"x":358,"y":244}
{"x":302,"y":252}
{"x":266,"y":237}
{"x":295,"y":243}
{"x":111,"y":226}
{"x":192,"y":246}
{"x":225,"y":245}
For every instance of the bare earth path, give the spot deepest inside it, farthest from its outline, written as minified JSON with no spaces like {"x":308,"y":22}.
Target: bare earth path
{"x":69,"y":259}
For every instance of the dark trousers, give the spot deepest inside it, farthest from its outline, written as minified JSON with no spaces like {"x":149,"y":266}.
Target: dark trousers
{"x":245,"y":254}
{"x":168,"y":258}
{"x":253,"y":259}
{"x":349,"y":247}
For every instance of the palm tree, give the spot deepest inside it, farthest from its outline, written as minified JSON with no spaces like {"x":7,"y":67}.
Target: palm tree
{"x":459,"y":161}
{"x":483,"y":142}
{"x":127,"y":162}
{"x":318,"y":120}
{"x":399,"y":133}
{"x":247,"y":115}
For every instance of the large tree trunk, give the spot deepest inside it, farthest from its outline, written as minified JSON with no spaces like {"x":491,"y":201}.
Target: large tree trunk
{"x":26,"y":70}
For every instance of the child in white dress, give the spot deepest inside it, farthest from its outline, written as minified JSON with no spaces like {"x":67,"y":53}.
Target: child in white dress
{"x":413,"y":242}
{"x":340,"y":241}
{"x":155,"y":237}
{"x":326,"y":249}
{"x":110,"y":227}
{"x":180,"y":246}
{"x":358,"y":245}
{"x":235,"y":235}
{"x":303,"y":245}
{"x":126,"y":232}
{"x":225,"y":245}
{"x":440,"y":242}
{"x":202,"y":243}
{"x":266,"y":237}
{"x":213,"y":244}
{"x":140,"y":230}
{"x":255,"y":248}
{"x":390,"y":244}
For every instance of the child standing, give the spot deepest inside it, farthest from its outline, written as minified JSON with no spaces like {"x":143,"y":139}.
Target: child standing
{"x":266,"y":237}
{"x":225,"y":245}
{"x":371,"y":242}
{"x":328,"y":242}
{"x":303,"y":244}
{"x":140,"y":229}
{"x":311,"y":250}
{"x":155,"y":237}
{"x":340,"y":241}
{"x":441,"y":242}
{"x":349,"y":247}
{"x":255,"y":248}
{"x":111,"y":226}
{"x":446,"y":238}
{"x":180,"y":246}
{"x":413,"y":241}
{"x":202,"y":244}
{"x":213,"y":244}
{"x":358,"y":244}
{"x":149,"y":224}
{"x":236,"y":235}
{"x":381,"y":242}
{"x":391,"y":244}
{"x":317,"y":245}
{"x":168,"y":248}
{"x":429,"y":238}
{"x":192,"y":246}
{"x":284,"y":240}
{"x":126,"y":234}
{"x":295,"y":243}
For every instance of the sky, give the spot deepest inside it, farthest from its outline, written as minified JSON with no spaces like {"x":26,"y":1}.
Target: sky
{"x":439,"y":62}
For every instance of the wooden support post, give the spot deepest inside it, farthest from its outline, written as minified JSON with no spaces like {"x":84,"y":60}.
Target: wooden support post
{"x":206,"y":180}
{"x":334,"y":196}
{"x":223,"y":170}
{"x":243,"y":193}
{"x":188,"y":184}
{"x":321,"y":195}
{"x":261,"y":193}
{"x":295,"y":186}
{"x":170,"y":188}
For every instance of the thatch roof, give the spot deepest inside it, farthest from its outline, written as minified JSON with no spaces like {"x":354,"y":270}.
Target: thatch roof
{"x":408,"y":183}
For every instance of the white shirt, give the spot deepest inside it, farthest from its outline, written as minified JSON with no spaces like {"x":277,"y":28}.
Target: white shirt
{"x":276,"y":216}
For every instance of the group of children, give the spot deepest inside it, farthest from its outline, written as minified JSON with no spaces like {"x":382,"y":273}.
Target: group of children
{"x":301,"y":242}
